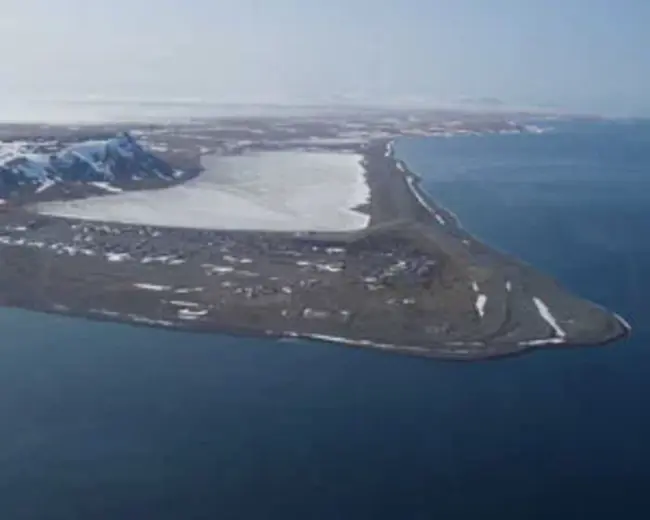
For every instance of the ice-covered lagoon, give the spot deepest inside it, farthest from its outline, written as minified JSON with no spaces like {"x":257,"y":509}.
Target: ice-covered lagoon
{"x":281,"y":191}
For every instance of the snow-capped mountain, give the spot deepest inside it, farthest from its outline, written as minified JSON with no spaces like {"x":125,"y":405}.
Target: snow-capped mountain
{"x":35,"y":166}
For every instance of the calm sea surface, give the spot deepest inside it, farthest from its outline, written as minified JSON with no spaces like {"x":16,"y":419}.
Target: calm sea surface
{"x":105,"y":421}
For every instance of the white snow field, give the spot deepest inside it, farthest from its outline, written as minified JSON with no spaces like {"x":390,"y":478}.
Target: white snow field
{"x":280,"y":191}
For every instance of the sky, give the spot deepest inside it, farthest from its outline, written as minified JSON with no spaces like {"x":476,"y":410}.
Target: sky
{"x":572,"y":55}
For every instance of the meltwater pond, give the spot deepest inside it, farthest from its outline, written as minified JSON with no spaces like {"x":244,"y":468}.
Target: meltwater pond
{"x":110,"y":421}
{"x":279,"y":191}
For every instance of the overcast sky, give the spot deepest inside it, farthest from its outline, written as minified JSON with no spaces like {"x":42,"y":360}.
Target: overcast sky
{"x":583,"y":55}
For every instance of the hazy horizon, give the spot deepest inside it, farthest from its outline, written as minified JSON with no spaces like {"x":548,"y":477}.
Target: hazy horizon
{"x":582,"y":56}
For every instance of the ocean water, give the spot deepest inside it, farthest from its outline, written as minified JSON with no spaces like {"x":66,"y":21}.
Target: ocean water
{"x":107,"y":421}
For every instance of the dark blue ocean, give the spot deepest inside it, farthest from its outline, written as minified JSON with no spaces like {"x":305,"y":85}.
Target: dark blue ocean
{"x":101,"y":421}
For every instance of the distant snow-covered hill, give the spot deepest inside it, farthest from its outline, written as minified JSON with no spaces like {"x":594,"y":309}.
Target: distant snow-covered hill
{"x":34,"y":166}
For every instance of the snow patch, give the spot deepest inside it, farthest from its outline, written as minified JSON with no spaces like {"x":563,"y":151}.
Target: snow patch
{"x":106,"y":187}
{"x":329,"y":268}
{"x":191,"y":313}
{"x":152,"y":287}
{"x":181,"y":303}
{"x":481,"y":300}
{"x":162,"y":259}
{"x":546,"y":315}
{"x":541,"y":342}
{"x":355,"y":342}
{"x":104,"y":312}
{"x":188,"y":290}
{"x":416,"y":192}
{"x":117,"y":257}
{"x":48,"y":183}
{"x":220,"y":269}
{"x":136,"y":318}
{"x":623,"y":322}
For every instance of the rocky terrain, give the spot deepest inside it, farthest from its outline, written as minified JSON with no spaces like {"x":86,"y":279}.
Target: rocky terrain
{"x":50,"y":167}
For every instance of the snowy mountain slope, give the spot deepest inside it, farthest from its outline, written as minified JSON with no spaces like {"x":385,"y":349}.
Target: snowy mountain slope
{"x":35,"y":166}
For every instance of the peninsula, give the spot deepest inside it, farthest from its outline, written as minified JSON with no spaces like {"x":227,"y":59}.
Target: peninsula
{"x":297,"y":227}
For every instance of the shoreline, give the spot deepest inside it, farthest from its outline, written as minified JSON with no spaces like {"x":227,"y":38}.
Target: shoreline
{"x":450,"y":355}
{"x":459,"y":226}
{"x":434,"y":208}
{"x":451,"y":216}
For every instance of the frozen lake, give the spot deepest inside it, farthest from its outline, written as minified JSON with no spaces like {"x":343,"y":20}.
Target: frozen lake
{"x":281,"y":191}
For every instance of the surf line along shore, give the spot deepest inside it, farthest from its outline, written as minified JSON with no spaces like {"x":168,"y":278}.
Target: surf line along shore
{"x":413,"y":281}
